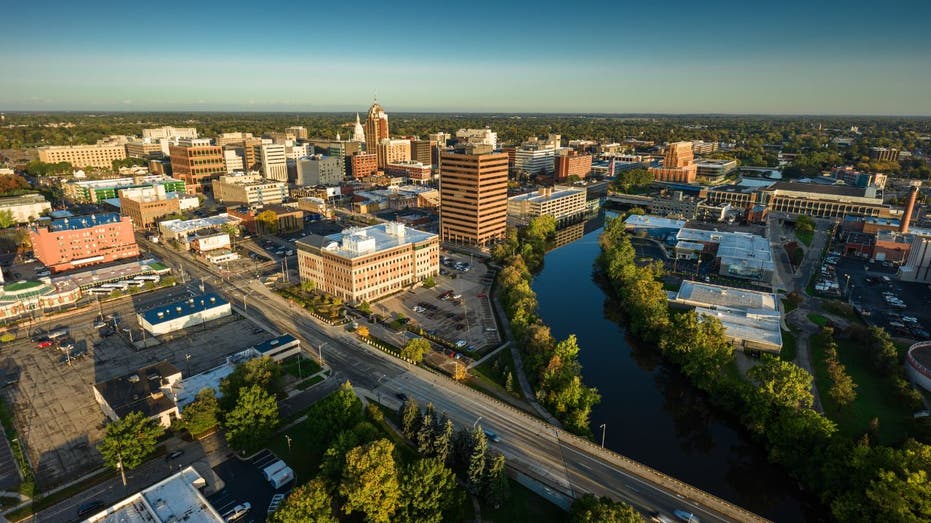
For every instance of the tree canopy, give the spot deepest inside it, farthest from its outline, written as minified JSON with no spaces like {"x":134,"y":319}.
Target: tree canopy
{"x":129,"y":441}
{"x":252,"y":420}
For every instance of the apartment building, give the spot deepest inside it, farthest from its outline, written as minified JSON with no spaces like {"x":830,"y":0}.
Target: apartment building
{"x":99,"y":155}
{"x":249,"y":190}
{"x":561,"y":203}
{"x":368,"y":263}
{"x":79,"y":241}
{"x":473,"y":197}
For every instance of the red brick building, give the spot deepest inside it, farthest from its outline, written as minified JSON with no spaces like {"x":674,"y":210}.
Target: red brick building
{"x":79,"y":241}
{"x":197,"y":165}
{"x":364,"y":165}
{"x":415,"y":171}
{"x":573,"y":164}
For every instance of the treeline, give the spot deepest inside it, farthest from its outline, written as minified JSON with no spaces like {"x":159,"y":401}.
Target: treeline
{"x":553,"y":365}
{"x":858,"y":480}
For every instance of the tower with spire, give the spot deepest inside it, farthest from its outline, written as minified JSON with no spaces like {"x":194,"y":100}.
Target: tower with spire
{"x":376,"y":127}
{"x":358,"y":132}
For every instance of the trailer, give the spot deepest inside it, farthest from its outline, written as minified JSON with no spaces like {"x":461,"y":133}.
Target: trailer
{"x":278,"y":473}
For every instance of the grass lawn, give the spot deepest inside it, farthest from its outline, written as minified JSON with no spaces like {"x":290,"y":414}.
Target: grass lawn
{"x":788,"y":305}
{"x":805,"y":237}
{"x":789,"y":346}
{"x":841,"y":309}
{"x":493,"y":373}
{"x":300,"y":366}
{"x":875,"y":397}
{"x":524,"y":505}
{"x":818,"y":319}
{"x":306,"y":384}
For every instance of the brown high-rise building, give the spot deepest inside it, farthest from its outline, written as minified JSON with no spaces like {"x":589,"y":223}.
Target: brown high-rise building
{"x":376,"y":128}
{"x":678,"y":165}
{"x":473,"y":197}
{"x":197,"y":163}
{"x":573,"y":164}
{"x":364,"y":165}
{"x":422,"y":151}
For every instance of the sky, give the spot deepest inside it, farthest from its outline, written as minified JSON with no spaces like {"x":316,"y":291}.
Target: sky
{"x":789,"y":57}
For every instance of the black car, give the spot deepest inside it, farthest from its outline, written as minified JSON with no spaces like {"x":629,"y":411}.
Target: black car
{"x":401,"y":396}
{"x":174,"y":454}
{"x":91,"y":507}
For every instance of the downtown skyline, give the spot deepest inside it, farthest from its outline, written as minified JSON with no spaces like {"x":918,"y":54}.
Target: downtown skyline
{"x":834,"y":58}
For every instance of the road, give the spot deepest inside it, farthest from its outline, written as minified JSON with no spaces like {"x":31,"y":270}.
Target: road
{"x":566,"y":463}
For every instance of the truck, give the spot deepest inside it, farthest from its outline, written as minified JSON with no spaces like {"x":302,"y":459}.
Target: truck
{"x":278,"y":473}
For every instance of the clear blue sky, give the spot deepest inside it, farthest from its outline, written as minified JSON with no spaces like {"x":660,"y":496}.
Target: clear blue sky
{"x":812,"y":57}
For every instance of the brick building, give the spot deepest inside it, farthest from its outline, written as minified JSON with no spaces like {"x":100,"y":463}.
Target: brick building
{"x":79,"y":241}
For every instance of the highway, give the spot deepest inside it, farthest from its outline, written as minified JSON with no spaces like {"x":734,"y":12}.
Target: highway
{"x":568,"y":465}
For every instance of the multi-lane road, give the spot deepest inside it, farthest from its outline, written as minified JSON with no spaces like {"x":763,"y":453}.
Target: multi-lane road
{"x":565,"y":464}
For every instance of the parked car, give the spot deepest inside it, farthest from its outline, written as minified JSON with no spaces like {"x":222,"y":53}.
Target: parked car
{"x":90,"y":507}
{"x":238,"y":512}
{"x":174,"y":454}
{"x":44,"y":344}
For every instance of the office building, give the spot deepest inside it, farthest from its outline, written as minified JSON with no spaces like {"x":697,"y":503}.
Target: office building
{"x":25,"y":207}
{"x":237,"y":138}
{"x":144,"y":391}
{"x":473,"y":197}
{"x":197,"y":163}
{"x":364,"y":165}
{"x":562,"y":203}
{"x":96,"y":191}
{"x":678,"y":164}
{"x":79,"y":241}
{"x":714,"y":169}
{"x":533,"y":159}
{"x":700,"y":147}
{"x":175,"y":498}
{"x":376,"y":128}
{"x":249,"y":190}
{"x":366,"y":264}
{"x":145,"y":205}
{"x":319,"y":170}
{"x":167,"y":132}
{"x":299,"y":132}
{"x":196,"y":310}
{"x":570,"y":163}
{"x":477,"y":136}
{"x":297,"y":151}
{"x":273,"y":161}
{"x":393,"y":151}
{"x":414,"y":171}
{"x":424,"y":151}
{"x":884,"y":154}
{"x":146,"y":148}
{"x":832,"y":201}
{"x":751,"y":319}
{"x":100,"y":155}
{"x":233,"y":159}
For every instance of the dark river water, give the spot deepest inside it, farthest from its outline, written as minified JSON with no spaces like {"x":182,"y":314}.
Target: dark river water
{"x":652,"y":413}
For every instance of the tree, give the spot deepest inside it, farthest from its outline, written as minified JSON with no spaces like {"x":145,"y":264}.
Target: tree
{"x":309,"y":502}
{"x":339,"y":411}
{"x":591,"y":509}
{"x":202,"y":414}
{"x":509,"y":382}
{"x":460,"y":372}
{"x":252,"y":420}
{"x":428,"y":489}
{"x":424,"y":439}
{"x":805,"y":224}
{"x":264,"y":372}
{"x":782,"y":383}
{"x":497,"y":488}
{"x":415,"y":349}
{"x":230,"y":229}
{"x":308,"y":286}
{"x":475,"y":474}
{"x":843,"y":389}
{"x":267,"y":221}
{"x":429,"y":282}
{"x":633,"y":179}
{"x":370,"y":482}
{"x":6,"y":219}
{"x":129,"y":441}
{"x":410,"y":418}
{"x":443,"y":442}
{"x":363,"y":331}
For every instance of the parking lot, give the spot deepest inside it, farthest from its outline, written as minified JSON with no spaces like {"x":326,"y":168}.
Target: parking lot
{"x":457,"y":309}
{"x":53,"y":401}
{"x":244,"y":483}
{"x":900,"y":307}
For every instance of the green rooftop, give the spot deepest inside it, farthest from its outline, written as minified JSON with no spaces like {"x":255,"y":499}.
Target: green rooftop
{"x":21,"y":286}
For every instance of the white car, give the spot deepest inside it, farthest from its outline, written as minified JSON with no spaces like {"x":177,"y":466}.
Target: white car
{"x":238,"y":512}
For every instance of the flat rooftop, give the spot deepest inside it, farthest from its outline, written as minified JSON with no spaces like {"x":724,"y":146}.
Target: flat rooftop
{"x":93,"y":277}
{"x":180,"y":309}
{"x":183,"y":226}
{"x":710,"y":295}
{"x":647,"y":220}
{"x":75,"y":223}
{"x":139,"y":391}
{"x":555,"y":195}
{"x":357,"y":242}
{"x":747,"y":315}
{"x":836,"y":190}
{"x":174,"y":499}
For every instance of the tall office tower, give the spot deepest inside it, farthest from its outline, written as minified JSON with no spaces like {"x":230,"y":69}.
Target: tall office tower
{"x":274,"y":161}
{"x":678,"y":165}
{"x":422,"y":151}
{"x":196,"y":162}
{"x":299,"y":132}
{"x":473,"y":197}
{"x":376,"y":128}
{"x":358,"y":132}
{"x":393,"y":151}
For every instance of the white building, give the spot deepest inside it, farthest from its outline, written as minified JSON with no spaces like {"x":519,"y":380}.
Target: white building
{"x":169,"y":132}
{"x":233,"y":160}
{"x":181,"y":229}
{"x":211,"y":242}
{"x":478,"y":137}
{"x":319,"y":170}
{"x":248,"y":189}
{"x":180,"y":315}
{"x":173,"y":499}
{"x":298,"y":151}
{"x":559,"y":202}
{"x":144,"y":391}
{"x":25,"y":207}
{"x":534,"y":159}
{"x":274,"y":161}
{"x":358,"y":131}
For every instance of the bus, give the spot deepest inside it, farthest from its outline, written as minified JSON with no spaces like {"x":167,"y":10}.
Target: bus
{"x":149,"y":277}
{"x":135,"y":283}
{"x":121,"y":285}
{"x":99,"y":290}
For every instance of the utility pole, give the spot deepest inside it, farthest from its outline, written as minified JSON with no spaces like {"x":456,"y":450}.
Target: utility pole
{"x":604,"y":428}
{"x":287,"y":437}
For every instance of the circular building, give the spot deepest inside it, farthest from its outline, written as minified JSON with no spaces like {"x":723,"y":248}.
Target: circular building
{"x":918,"y":364}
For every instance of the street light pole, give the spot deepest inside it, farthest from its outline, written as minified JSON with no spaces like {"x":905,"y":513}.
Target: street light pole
{"x":287,"y":437}
{"x":476,"y":422}
{"x":604,"y":429}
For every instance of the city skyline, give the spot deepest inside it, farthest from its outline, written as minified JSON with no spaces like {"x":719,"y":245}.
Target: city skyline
{"x":834,"y":58}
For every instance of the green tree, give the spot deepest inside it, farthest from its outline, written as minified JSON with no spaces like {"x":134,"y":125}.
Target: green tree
{"x":429,"y":282}
{"x":424,"y":439}
{"x":267,"y":221}
{"x":591,"y":509}
{"x":633,"y":180}
{"x":410,"y":418}
{"x":805,"y":224}
{"x":475,"y":474}
{"x":230,"y":229}
{"x":309,"y":502}
{"x":509,"y":382}
{"x":782,"y":383}
{"x":843,"y":389}
{"x":252,"y":420}
{"x":497,"y":487}
{"x":428,"y":489}
{"x":443,"y":442}
{"x":264,"y":372}
{"x":370,"y":482}
{"x":129,"y":441}
{"x":6,"y":219}
{"x":415,"y":349}
{"x":203,"y":413}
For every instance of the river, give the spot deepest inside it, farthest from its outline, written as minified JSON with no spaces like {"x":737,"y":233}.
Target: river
{"x":651,"y":412}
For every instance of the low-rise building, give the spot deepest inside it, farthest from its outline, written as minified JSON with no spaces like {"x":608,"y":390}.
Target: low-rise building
{"x":147,"y":390}
{"x":197,"y":310}
{"x":368,"y":263}
{"x":145,"y":205}
{"x":413,"y":171}
{"x":248,"y":189}
{"x":79,"y":241}
{"x":25,"y":207}
{"x":180,"y":230}
{"x":24,"y":298}
{"x":709,"y":169}
{"x":94,"y":191}
{"x":832,"y":201}
{"x":751,"y":319}
{"x":562,"y":203}
{"x":738,"y":254}
{"x":289,"y":219}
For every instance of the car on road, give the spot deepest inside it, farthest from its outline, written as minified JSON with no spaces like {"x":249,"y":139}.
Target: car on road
{"x":44,"y":344}
{"x":685,"y":516}
{"x":90,"y":507}
{"x":100,"y":324}
{"x":490,"y":434}
{"x":258,"y":330}
{"x":657,"y":517}
{"x":401,"y":396}
{"x":174,"y":454}
{"x":238,"y":512}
